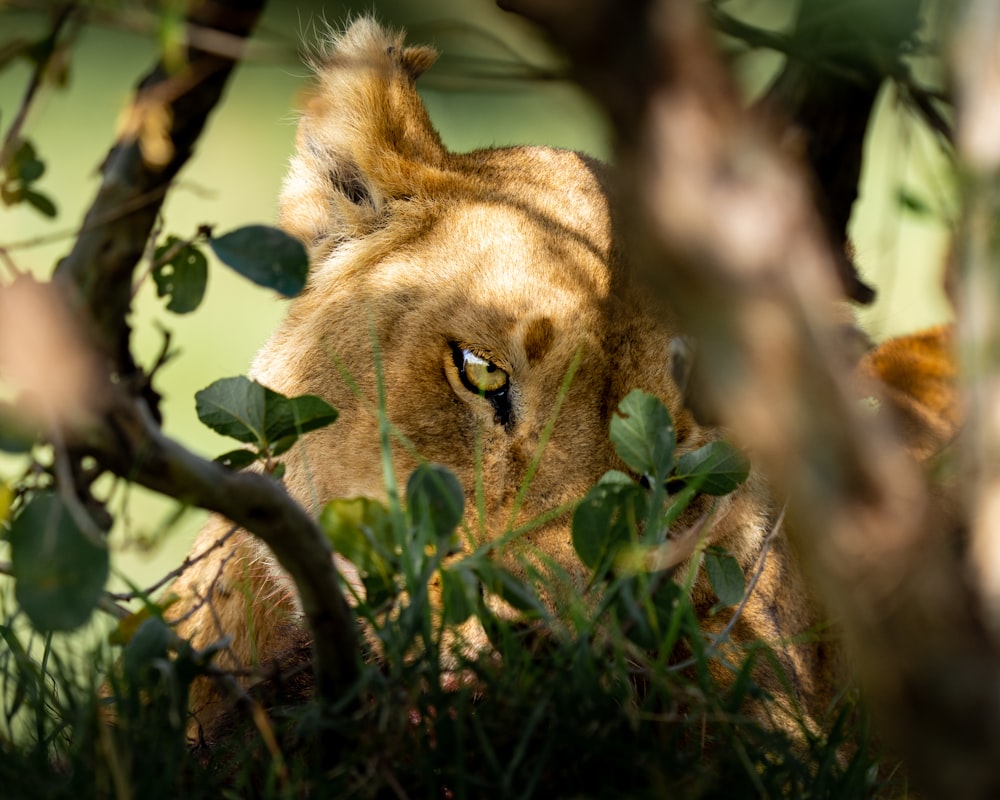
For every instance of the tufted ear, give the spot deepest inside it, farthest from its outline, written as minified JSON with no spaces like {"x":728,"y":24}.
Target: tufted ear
{"x":364,"y":137}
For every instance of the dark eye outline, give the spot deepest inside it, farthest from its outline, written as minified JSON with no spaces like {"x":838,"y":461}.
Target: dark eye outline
{"x":498,"y":398}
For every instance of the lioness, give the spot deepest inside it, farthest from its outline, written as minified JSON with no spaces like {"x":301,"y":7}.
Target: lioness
{"x":482,"y":277}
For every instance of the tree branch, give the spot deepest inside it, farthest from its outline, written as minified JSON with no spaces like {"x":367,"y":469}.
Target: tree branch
{"x":50,"y":45}
{"x":722,"y":223}
{"x":117,"y":226}
{"x":132,"y":446}
{"x":96,"y":279}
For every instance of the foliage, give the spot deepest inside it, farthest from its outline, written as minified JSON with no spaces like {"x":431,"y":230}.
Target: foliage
{"x":595,"y":702}
{"x":60,"y":563}
{"x":619,"y":694}
{"x":249,"y":412}
{"x":21,"y":171}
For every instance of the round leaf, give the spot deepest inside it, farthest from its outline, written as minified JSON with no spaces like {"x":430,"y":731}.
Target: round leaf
{"x":25,"y":165}
{"x":716,"y":469}
{"x":360,"y":530}
{"x":59,"y":571}
{"x":643,"y":434}
{"x":725,"y":575}
{"x":150,"y":642}
{"x":252,"y":413}
{"x":267,"y":256}
{"x":183,"y":278}
{"x":606,"y":520}
{"x":234,"y":407}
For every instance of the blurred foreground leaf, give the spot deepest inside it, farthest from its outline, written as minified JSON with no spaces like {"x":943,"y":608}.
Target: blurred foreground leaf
{"x":725,"y":575}
{"x":59,"y":571}
{"x":435,"y":498}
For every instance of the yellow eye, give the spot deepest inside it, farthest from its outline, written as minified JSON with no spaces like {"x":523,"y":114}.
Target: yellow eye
{"x":480,"y":375}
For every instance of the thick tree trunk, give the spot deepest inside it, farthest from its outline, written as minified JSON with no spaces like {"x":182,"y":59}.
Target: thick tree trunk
{"x":724,"y":224}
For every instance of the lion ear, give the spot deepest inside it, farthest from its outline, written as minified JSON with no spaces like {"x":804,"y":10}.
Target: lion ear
{"x":364,"y":138}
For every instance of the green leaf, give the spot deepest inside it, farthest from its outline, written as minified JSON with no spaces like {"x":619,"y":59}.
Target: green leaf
{"x":303,"y":414}
{"x":40,"y":202}
{"x":237,"y":459}
{"x":183,"y":277}
{"x":267,"y":256}
{"x":24,"y":165}
{"x":606,"y":520}
{"x":435,"y":499}
{"x":249,"y":412}
{"x":27,"y":167}
{"x":725,"y":575}
{"x":360,"y":530}
{"x":234,"y":407}
{"x":643,"y":434}
{"x":59,"y":571}
{"x":716,"y":469}
{"x":507,"y":587}
{"x":149,"y":643}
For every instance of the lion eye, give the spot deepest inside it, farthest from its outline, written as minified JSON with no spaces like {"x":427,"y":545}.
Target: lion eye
{"x":480,"y":375}
{"x":484,"y":378}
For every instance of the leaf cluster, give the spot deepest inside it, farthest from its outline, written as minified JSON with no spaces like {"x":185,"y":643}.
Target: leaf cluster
{"x":258,"y":416}
{"x":22,"y":169}
{"x":262,"y":254}
{"x":627,"y":523}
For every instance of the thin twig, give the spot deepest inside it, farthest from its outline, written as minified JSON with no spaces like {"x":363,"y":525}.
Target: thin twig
{"x":34,"y":84}
{"x":761,"y":561}
{"x":190,"y":561}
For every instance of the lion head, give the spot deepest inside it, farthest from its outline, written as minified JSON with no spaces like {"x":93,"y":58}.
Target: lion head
{"x":484,"y":301}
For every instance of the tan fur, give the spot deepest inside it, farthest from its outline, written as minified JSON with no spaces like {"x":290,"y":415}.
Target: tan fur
{"x":509,"y":252}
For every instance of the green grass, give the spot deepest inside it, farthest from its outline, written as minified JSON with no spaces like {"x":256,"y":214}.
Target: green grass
{"x":617,"y":693}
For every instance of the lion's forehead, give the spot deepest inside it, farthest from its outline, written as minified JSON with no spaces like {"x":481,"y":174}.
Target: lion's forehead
{"x":491,"y":253}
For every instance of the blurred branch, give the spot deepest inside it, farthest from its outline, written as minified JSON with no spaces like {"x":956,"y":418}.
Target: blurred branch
{"x":976,"y":59}
{"x":42,"y":61}
{"x":723,"y":224}
{"x":123,"y":433}
{"x":145,"y":21}
{"x":829,"y":109}
{"x":175,"y":107}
